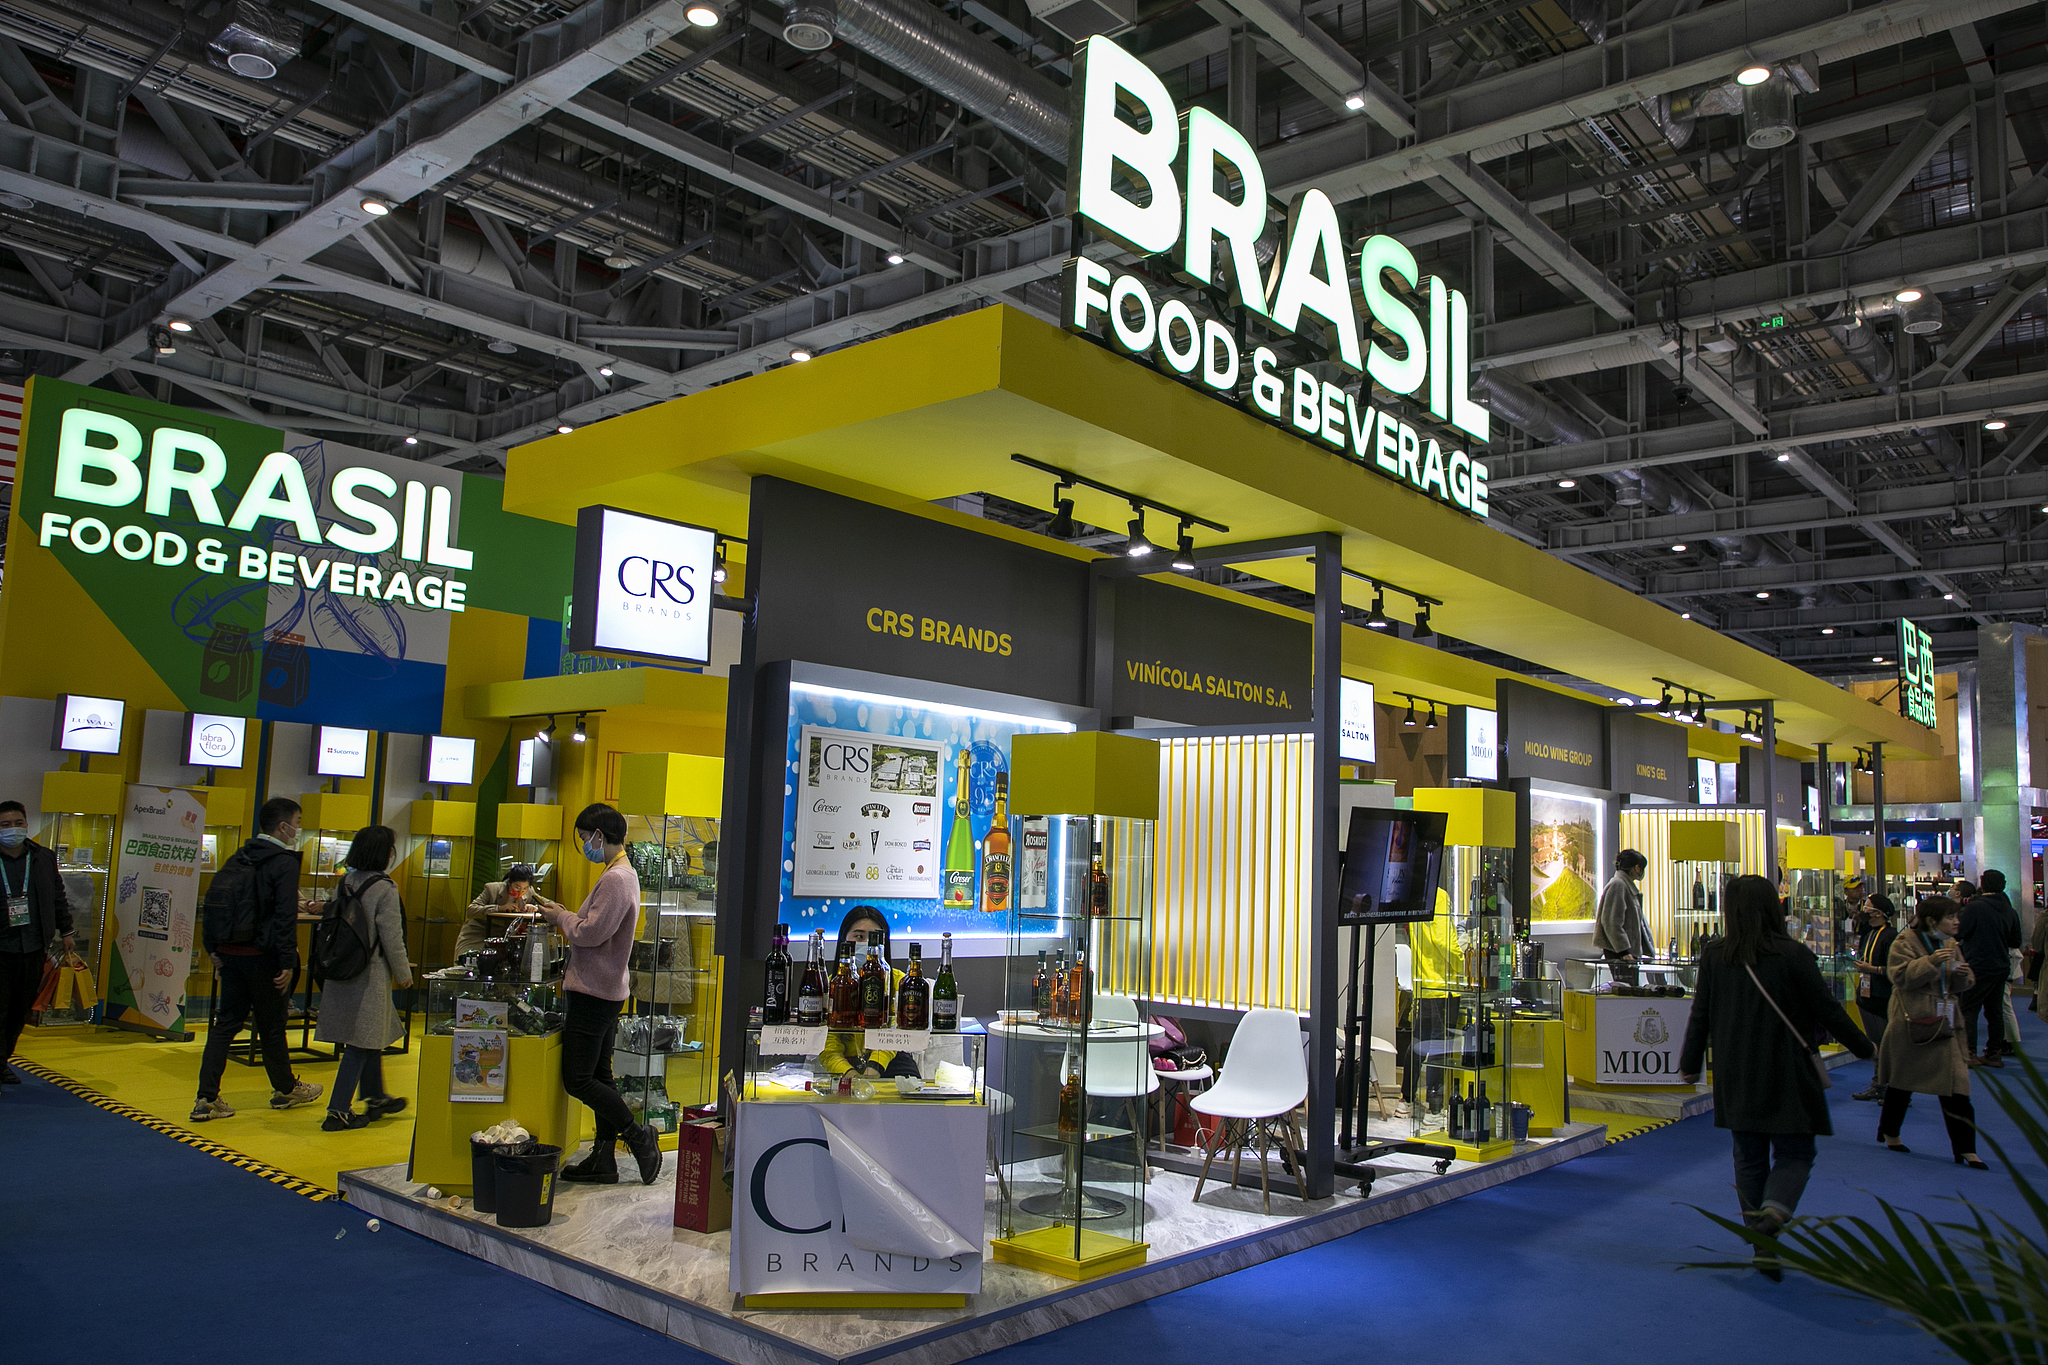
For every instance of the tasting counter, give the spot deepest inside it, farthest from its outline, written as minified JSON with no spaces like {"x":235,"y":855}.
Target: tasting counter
{"x":1625,"y":1042}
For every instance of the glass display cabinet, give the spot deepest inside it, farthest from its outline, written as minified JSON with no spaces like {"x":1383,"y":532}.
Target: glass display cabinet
{"x":783,"y":1065}
{"x":1704,"y":855}
{"x":84,"y":844}
{"x":439,"y":867}
{"x":530,"y":836}
{"x":1071,"y":1076}
{"x":666,"y":1057}
{"x":1819,"y":910}
{"x":1461,"y":1047}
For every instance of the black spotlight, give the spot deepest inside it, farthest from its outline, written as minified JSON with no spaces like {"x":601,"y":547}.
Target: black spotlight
{"x":1409,"y":719}
{"x":1423,"y":630}
{"x":1432,"y":717}
{"x":1184,"y":557}
{"x":1062,"y":527}
{"x":1376,"y":619}
{"x":1139,"y":546}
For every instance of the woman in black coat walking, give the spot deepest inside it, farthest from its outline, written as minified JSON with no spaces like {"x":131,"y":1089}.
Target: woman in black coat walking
{"x":1761,"y":1001}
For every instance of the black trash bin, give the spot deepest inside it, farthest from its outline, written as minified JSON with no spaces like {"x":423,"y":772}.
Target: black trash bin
{"x":483,"y":1173}
{"x":526,"y":1186}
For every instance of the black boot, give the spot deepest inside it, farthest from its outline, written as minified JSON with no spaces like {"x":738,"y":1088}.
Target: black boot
{"x":645,"y":1145}
{"x":599,"y":1167}
{"x":1765,"y":1262}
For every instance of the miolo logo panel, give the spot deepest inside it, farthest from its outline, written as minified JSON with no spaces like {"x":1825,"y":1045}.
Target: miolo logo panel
{"x":1174,"y":186}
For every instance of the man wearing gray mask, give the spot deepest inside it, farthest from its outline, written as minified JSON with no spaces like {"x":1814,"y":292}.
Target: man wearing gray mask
{"x":33,"y":911}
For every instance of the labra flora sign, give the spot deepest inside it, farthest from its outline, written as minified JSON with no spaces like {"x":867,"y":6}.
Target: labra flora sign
{"x":1175,"y":186}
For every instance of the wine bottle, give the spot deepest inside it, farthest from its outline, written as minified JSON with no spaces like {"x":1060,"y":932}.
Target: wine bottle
{"x":914,"y":993}
{"x":1454,"y":1122}
{"x":1098,"y":885}
{"x":843,"y":1007}
{"x":874,"y":991}
{"x":810,"y":995}
{"x":1041,"y":992}
{"x":945,"y":994}
{"x":1699,"y":894}
{"x":959,"y":871}
{"x":775,"y":980}
{"x":1482,"y":1111}
{"x":995,"y":854}
{"x":1070,"y":1094}
{"x":1080,"y":989}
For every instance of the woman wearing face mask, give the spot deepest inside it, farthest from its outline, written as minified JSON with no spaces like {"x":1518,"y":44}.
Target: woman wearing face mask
{"x":357,"y":1013}
{"x":33,"y":910}
{"x":1928,"y":972}
{"x":600,"y":935}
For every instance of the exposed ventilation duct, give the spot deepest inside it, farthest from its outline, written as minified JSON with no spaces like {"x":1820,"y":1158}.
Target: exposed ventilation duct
{"x":808,"y":25}
{"x":1631,"y":352}
{"x":255,"y":41}
{"x":918,"y":40}
{"x":1080,"y":20}
{"x":1769,"y":118}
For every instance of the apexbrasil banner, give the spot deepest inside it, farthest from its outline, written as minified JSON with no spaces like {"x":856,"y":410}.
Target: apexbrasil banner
{"x":155,"y":905}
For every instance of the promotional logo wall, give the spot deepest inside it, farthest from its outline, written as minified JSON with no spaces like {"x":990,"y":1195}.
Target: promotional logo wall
{"x":1916,"y":675}
{"x":155,"y":899}
{"x":256,"y":572}
{"x":879,"y":1198}
{"x":1157,"y":182}
{"x":643,"y":586}
{"x":1548,"y":735}
{"x":867,"y":815}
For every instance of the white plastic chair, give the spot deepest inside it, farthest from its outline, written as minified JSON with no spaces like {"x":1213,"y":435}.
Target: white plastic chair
{"x":1264,"y":1077}
{"x":1121,"y":1069}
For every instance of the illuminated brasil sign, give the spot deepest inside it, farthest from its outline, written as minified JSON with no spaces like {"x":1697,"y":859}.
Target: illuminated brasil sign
{"x":1916,"y":674}
{"x":1187,"y":165}
{"x":101,"y":463}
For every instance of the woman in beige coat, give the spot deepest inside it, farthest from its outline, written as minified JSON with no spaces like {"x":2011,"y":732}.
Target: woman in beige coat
{"x":1927,"y":972}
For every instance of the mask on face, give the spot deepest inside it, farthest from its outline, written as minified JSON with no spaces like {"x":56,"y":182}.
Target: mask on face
{"x":13,"y":837}
{"x":593,"y":847}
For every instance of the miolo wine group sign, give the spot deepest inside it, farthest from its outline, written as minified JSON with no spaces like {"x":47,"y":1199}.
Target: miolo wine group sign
{"x":1172,"y":186}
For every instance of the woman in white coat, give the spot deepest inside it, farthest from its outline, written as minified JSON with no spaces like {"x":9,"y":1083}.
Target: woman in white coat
{"x":357,"y":1014}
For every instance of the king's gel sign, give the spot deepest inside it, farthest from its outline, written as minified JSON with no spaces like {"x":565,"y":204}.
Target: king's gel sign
{"x":101,"y":464}
{"x":1186,"y":167}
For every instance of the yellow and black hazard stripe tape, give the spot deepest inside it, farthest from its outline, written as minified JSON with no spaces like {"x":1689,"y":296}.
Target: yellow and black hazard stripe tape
{"x":240,"y":1160}
{"x":1651,"y":1126}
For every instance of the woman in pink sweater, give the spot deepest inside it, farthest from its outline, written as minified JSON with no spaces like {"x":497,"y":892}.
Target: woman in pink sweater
{"x":600,"y":935}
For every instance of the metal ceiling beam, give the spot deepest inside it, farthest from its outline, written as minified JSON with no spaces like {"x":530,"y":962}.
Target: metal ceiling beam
{"x":1515,"y":218}
{"x":1998,"y":310}
{"x":1340,"y":74}
{"x":1980,"y":557}
{"x":1947,"y":113}
{"x":1884,"y":614}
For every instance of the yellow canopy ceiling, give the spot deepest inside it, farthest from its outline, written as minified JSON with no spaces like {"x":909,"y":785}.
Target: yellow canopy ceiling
{"x":937,"y":411}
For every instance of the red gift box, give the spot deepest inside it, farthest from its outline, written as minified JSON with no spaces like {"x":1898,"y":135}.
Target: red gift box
{"x":703,"y":1189}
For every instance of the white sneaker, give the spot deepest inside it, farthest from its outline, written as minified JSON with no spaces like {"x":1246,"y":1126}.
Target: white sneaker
{"x":305,"y":1092}
{"x":203,"y":1110}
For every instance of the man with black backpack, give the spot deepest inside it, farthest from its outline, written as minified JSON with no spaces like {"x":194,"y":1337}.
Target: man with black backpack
{"x":251,"y":926}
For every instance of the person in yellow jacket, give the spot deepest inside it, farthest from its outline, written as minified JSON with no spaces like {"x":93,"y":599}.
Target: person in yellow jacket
{"x":863,"y":925}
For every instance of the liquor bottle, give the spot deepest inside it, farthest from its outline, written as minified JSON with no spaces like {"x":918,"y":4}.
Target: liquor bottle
{"x":810,"y":995}
{"x":959,"y":871}
{"x":1699,"y":894}
{"x":1487,"y":1040}
{"x":914,"y":993}
{"x":1070,"y":1094}
{"x":775,"y":981}
{"x":1482,"y":1111}
{"x":1041,"y":992}
{"x":1671,"y":953}
{"x":1080,"y":989}
{"x":1454,"y":1117}
{"x":1056,"y":998}
{"x":843,"y":1003}
{"x":945,"y":994}
{"x":874,"y":990}
{"x":995,"y":854}
{"x":1098,"y":885}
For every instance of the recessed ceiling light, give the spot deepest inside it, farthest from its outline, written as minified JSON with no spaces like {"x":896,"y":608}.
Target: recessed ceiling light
{"x":702,"y":16}
{"x":180,"y":325}
{"x":1567,"y":483}
{"x":894,"y":258}
{"x":1678,"y":549}
{"x":799,"y":354}
{"x":1908,"y":295}
{"x":1354,"y":102}
{"x":564,"y":429}
{"x":376,"y":207}
{"x":1685,"y":616}
{"x":1752,"y":75}
{"x":1995,"y":424}
{"x":1827,"y":630}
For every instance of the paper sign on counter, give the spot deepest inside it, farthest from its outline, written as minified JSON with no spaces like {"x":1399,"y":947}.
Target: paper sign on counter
{"x":791,"y":1040}
{"x":898,"y":1039}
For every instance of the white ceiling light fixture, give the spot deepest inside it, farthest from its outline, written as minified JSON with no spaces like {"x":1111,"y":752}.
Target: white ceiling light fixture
{"x":1762,"y":596}
{"x":605,"y":371}
{"x":1567,"y":483}
{"x":1909,"y":295}
{"x":799,"y":354}
{"x":180,"y":325}
{"x":376,"y":207}
{"x":500,"y":346}
{"x":1784,"y":457}
{"x":1355,"y":101}
{"x":1995,"y":424}
{"x":1827,"y":630}
{"x":703,"y":16}
{"x":1678,"y":549}
{"x":1752,"y":75}
{"x":412,"y":440}
{"x":615,"y":258}
{"x":564,"y":429}
{"x":894,"y":258}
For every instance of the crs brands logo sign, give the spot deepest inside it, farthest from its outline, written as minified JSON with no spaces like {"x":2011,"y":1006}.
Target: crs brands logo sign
{"x":641,"y":586}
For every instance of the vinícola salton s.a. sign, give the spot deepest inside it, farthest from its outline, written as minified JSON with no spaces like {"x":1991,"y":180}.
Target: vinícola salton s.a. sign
{"x":1173,"y":186}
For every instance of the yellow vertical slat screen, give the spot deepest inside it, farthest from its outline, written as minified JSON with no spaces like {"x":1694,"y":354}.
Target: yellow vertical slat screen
{"x":1230,"y":910}
{"x":1646,"y":829}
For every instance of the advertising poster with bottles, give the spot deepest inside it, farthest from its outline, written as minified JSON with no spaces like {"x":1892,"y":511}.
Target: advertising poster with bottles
{"x":859,"y":768}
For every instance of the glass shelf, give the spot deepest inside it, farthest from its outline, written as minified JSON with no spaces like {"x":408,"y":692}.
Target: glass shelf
{"x":665,"y":1058}
{"x":84,"y":845}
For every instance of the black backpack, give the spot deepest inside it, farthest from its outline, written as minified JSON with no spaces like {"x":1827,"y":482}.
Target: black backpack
{"x":344,"y":940}
{"x":232,"y":912}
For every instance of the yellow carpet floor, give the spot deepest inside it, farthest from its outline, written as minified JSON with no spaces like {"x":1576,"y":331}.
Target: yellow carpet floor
{"x":159,"y":1078}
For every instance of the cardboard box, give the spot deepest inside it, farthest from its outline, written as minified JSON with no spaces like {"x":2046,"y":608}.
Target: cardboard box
{"x":703,"y":1189}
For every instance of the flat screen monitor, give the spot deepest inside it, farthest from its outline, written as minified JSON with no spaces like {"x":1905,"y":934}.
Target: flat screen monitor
{"x":88,"y":725}
{"x":1392,"y":861}
{"x":536,"y":764}
{"x":448,"y":759}
{"x":215,"y":741}
{"x":339,"y":751}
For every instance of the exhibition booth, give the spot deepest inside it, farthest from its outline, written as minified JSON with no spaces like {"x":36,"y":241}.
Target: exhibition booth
{"x":1025,"y":929}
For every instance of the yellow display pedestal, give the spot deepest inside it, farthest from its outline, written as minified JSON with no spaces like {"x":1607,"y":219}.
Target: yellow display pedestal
{"x":533,"y":1095}
{"x":1051,"y":1250}
{"x":1580,"y":1048}
{"x":1541,"y":1086}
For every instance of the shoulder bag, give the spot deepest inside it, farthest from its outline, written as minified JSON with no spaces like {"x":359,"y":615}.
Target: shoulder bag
{"x":1820,"y":1066}
{"x":1940,"y":1026}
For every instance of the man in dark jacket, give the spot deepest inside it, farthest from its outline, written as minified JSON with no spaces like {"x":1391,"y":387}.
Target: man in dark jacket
{"x":255,"y":955}
{"x":33,"y":911}
{"x":1990,"y":931}
{"x":1875,"y":935}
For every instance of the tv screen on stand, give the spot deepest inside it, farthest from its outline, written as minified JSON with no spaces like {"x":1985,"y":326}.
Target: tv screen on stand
{"x":1392,"y":862}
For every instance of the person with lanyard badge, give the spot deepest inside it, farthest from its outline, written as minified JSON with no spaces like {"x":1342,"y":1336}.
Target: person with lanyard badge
{"x":1922,"y":1052}
{"x":600,"y":935}
{"x":1877,"y":933}
{"x":37,"y":911}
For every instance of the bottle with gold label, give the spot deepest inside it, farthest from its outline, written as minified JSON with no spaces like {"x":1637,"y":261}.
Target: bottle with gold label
{"x":842,"y":1009}
{"x":995,"y":854}
{"x":1070,"y":1094}
{"x":874,"y":990}
{"x":1098,"y":885}
{"x":914,"y":993}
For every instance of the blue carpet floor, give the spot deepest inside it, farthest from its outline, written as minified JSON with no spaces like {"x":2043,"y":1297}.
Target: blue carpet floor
{"x":115,"y":1233}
